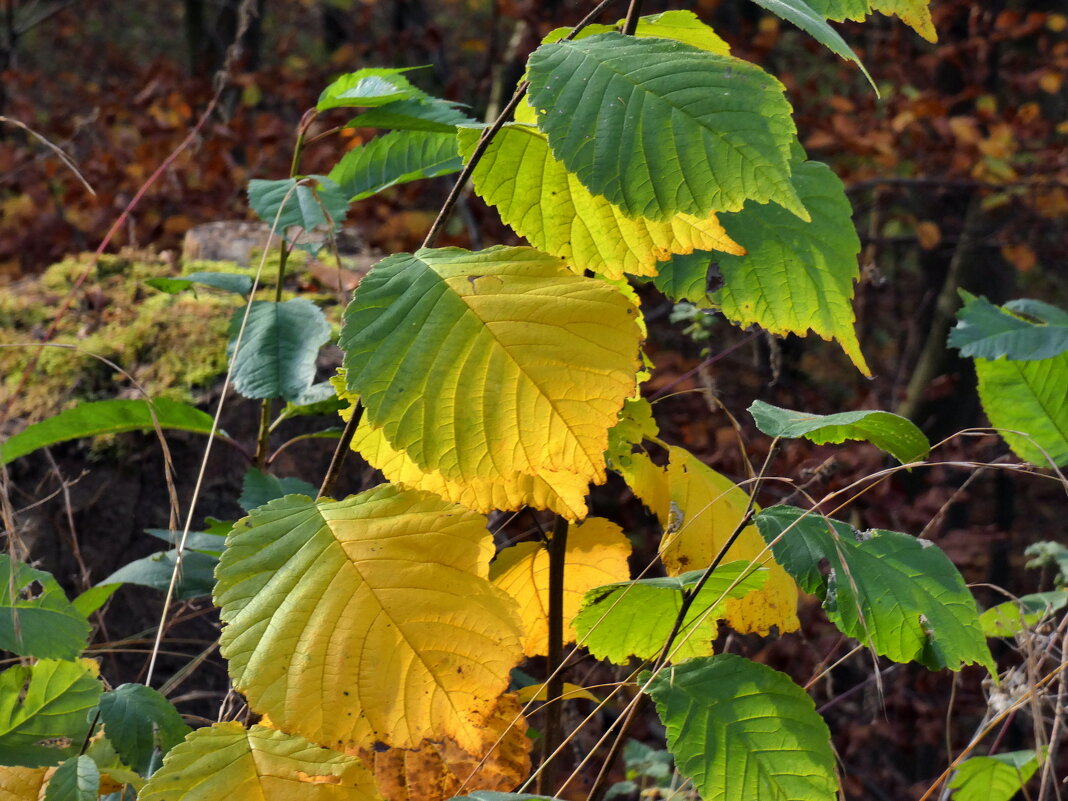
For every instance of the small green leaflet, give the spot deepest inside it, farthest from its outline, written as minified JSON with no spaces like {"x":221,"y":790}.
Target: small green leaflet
{"x":994,"y":778}
{"x":1013,"y":617}
{"x":313,"y":203}
{"x":259,"y":488}
{"x":77,"y":779}
{"x":634,"y":618}
{"x":196,"y":579}
{"x":137,"y":720}
{"x":93,"y":598}
{"x":228,"y":282}
{"x":732,"y":126}
{"x":743,"y":731}
{"x":894,"y":434}
{"x":897,"y":594}
{"x":1030,"y":398}
{"x":688,"y":277}
{"x":38,"y":622}
{"x":211,"y":542}
{"x":369,"y":88}
{"x":278,"y":349}
{"x":94,"y":418}
{"x":44,"y":710}
{"x":427,"y":114}
{"x":801,"y":14}
{"x":1021,"y":330}
{"x":396,"y":158}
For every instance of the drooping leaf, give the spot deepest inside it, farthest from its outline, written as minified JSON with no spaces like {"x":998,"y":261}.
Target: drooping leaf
{"x":437,"y":769}
{"x":93,"y":418}
{"x":994,"y":778}
{"x":369,"y":619}
{"x":1031,"y":398}
{"x":228,"y":282}
{"x":430,"y":114}
{"x":195,"y":579}
{"x":395,"y":158}
{"x":259,"y":488}
{"x":77,"y":779}
{"x":698,"y":510}
{"x":899,"y":595}
{"x":894,"y":434}
{"x":278,"y":349}
{"x":1013,"y":617}
{"x":914,"y":13}
{"x":815,"y":25}
{"x":536,"y":195}
{"x":212,"y":542}
{"x":796,"y":275}
{"x":605,"y":102}
{"x":634,"y":618}
{"x":987,"y":331}
{"x":741,"y":730}
{"x":310,"y":204}
{"x":512,"y":365}
{"x":36,"y":619}
{"x":369,"y":88}
{"x":596,"y":554}
{"x":43,"y":710}
{"x":562,"y":492}
{"x":92,"y":599}
{"x":257,"y":764}
{"x":137,"y":720}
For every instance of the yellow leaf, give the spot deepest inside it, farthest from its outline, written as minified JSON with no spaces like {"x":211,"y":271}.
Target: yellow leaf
{"x":597,"y":552}
{"x":367,"y":620}
{"x":439,"y":768}
{"x":23,"y":784}
{"x":539,"y":692}
{"x":699,"y":510}
{"x":914,"y":13}
{"x":228,"y":761}
{"x":492,"y":365}
{"x":536,"y":195}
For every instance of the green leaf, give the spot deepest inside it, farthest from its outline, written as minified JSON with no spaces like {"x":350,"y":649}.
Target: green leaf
{"x":310,"y":203}
{"x":683,"y":26}
{"x":796,"y":275}
{"x":77,"y":779}
{"x":228,"y":282}
{"x":369,"y":88}
{"x":197,"y":578}
{"x":259,"y":488}
{"x":38,"y":620}
{"x":894,"y":434}
{"x":431,"y":114}
{"x":742,"y":731}
{"x":914,"y":13}
{"x":1051,"y":554}
{"x":634,"y":618}
{"x":94,"y":418}
{"x":1031,"y":398}
{"x":815,"y":25}
{"x":212,"y":543}
{"x":1013,"y":617}
{"x":44,"y":710}
{"x":92,"y":599}
{"x":686,"y":277}
{"x":606,"y":100}
{"x":395,"y":158}
{"x":899,"y":595}
{"x":493,"y":795}
{"x":278,"y":349}
{"x":994,"y":778}
{"x":987,"y":331}
{"x":137,"y":720}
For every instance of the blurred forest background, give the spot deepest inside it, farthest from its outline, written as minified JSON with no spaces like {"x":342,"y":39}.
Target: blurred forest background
{"x":958,"y":175}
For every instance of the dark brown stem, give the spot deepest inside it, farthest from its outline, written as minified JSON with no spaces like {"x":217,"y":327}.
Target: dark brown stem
{"x":555,"y":684}
{"x":340,"y":452}
{"x":630,"y":25}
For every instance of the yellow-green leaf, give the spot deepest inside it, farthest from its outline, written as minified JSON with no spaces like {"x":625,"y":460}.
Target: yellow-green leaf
{"x":228,"y":761}
{"x":699,"y":510}
{"x":597,"y":552}
{"x":367,"y":620}
{"x":491,"y":365}
{"x":536,"y":195}
{"x":914,"y":13}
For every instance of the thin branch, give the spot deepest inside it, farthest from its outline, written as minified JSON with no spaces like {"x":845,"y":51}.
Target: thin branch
{"x":342,"y":449}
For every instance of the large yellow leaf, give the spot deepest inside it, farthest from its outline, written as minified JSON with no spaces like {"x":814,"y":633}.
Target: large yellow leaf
{"x":228,"y":761}
{"x":536,"y":195}
{"x":437,"y":770}
{"x":699,"y":509}
{"x":367,"y":620}
{"x":491,"y":365}
{"x":23,"y":784}
{"x":597,"y":552}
